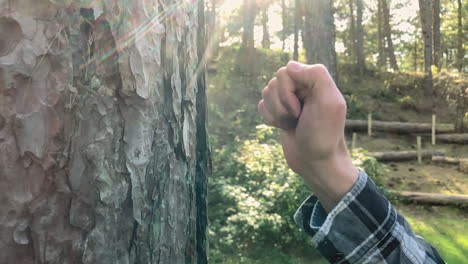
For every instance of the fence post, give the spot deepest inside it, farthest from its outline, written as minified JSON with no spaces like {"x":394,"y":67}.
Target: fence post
{"x":369,"y":124}
{"x":433,"y":129}
{"x":353,"y":142}
{"x":419,"y":149}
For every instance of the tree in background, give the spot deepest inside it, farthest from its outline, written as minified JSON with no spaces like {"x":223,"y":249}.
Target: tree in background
{"x":425,"y":14}
{"x":436,"y":33}
{"x":102,"y":138}
{"x":361,"y":59}
{"x":266,"y":34}
{"x":352,"y":49}
{"x":460,"y":42}
{"x":249,"y":11}
{"x":380,"y":36}
{"x":387,"y":32}
{"x":319,"y":34}
{"x":298,"y":18}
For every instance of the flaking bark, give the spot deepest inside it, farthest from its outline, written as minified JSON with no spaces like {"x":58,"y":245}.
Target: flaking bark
{"x":103,"y":145}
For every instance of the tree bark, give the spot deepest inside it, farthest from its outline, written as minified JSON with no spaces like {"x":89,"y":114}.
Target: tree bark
{"x":361,"y":59}
{"x":319,"y":34}
{"x":425,"y":8}
{"x":404,"y":155}
{"x":388,"y":35}
{"x":460,"y":49}
{"x":436,"y":33}
{"x":398,"y":127}
{"x":103,"y":145}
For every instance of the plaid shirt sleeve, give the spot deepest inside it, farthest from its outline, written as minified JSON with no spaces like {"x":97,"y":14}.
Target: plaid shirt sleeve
{"x":363,"y":228}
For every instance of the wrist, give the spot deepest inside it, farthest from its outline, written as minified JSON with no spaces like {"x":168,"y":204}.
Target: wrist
{"x":330,"y":179}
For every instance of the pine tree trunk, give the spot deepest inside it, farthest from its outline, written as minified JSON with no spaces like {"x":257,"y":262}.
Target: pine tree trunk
{"x":283,"y":20}
{"x":352,"y":32}
{"x":297,"y":25}
{"x":249,"y":11}
{"x":425,"y":9}
{"x":382,"y":58}
{"x":319,"y":34}
{"x":460,"y":49}
{"x":103,"y":152}
{"x":361,"y":59}
{"x":436,"y":33}
{"x":388,"y":35}
{"x":266,"y":35}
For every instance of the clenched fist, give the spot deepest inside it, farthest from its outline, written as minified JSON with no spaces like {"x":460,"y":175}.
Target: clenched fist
{"x":305,"y":104}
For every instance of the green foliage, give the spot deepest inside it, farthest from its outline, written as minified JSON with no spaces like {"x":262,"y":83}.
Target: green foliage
{"x":253,"y":198}
{"x":356,"y":109}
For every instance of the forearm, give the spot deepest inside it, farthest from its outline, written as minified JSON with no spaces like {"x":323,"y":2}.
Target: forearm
{"x":332,"y":178}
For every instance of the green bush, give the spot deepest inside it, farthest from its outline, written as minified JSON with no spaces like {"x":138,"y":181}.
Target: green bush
{"x":254,"y":195}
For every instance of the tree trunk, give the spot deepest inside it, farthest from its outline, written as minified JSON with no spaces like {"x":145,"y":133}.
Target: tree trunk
{"x":283,"y":21}
{"x":388,"y":35}
{"x":266,"y":35}
{"x":361,"y":59}
{"x":436,"y":33}
{"x":460,"y":49}
{"x":319,"y":34}
{"x":415,"y":54}
{"x":249,"y":11}
{"x":382,"y":58}
{"x":352,"y":50}
{"x":103,"y":146}
{"x":297,"y":25}
{"x":425,"y":8}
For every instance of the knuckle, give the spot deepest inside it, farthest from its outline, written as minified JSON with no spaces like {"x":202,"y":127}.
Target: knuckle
{"x":319,"y":69}
{"x":281,"y":71}
{"x":265,"y":92}
{"x":273,"y":82}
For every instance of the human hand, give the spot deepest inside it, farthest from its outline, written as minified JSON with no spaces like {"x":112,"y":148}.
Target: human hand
{"x":305,"y":104}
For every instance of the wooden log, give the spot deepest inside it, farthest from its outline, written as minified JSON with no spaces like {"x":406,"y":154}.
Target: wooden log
{"x":453,"y":138}
{"x":405,"y":155}
{"x":398,"y":127}
{"x":448,"y":160}
{"x":433,"y":198}
{"x":462,"y":163}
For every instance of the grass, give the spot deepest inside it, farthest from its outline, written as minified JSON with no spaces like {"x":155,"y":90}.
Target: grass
{"x":444,"y":227}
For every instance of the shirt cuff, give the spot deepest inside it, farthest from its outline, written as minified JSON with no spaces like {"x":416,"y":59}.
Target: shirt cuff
{"x":361,"y":219}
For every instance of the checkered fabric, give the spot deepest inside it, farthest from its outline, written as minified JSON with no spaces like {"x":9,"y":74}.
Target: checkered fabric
{"x":363,"y":228}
